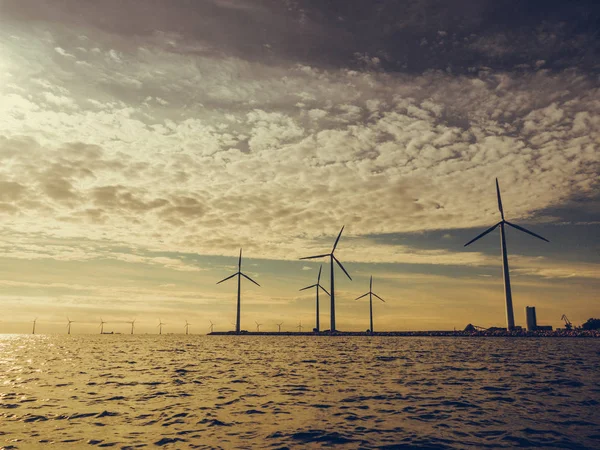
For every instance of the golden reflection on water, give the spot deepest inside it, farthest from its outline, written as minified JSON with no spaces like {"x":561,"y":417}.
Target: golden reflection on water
{"x":250,"y":391}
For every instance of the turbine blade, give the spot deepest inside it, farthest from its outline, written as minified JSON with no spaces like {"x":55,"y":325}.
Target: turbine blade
{"x":225,"y":279}
{"x":527,"y":231}
{"x":499,"y":199}
{"x":319,"y":276}
{"x":378,"y":297}
{"x":248,"y":278}
{"x":364,"y":295}
{"x":371,"y":283}
{"x":325,"y":290}
{"x":314,"y":257}
{"x":342,"y":267}
{"x":489,"y":230}
{"x":337,"y":240}
{"x":240,"y":261}
{"x":308,"y":287}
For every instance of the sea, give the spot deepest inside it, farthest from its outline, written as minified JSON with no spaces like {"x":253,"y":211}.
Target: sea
{"x":278,"y":392}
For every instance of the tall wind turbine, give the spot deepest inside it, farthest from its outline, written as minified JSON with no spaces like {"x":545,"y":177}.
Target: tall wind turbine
{"x":317,"y":287}
{"x":510,"y":319}
{"x":187,"y":326}
{"x":332,"y":258}
{"x":34,"y":321}
{"x":212,"y":326}
{"x":132,"y":322}
{"x":257,"y":326}
{"x":371,"y":294}
{"x":160,"y":325}
{"x":102,"y":322}
{"x":69,"y":325}
{"x":279,"y":327}
{"x":238,"y":274}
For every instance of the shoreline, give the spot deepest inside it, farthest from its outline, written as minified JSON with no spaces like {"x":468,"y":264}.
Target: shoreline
{"x":496,"y":333}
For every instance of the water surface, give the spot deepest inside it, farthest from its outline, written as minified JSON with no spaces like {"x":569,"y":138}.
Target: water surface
{"x":170,"y":391}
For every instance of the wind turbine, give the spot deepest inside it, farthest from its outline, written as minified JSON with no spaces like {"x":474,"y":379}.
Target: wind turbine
{"x":34,"y":321}
{"x":331,"y":277}
{"x":257,"y":326}
{"x":299,"y":327}
{"x":69,"y":325}
{"x":212,"y":326}
{"x":371,"y":294}
{"x":132,"y":322}
{"x":239,"y":274}
{"x":187,"y":326}
{"x":160,"y":325}
{"x":279,"y":327}
{"x":317,"y":287}
{"x":102,"y":322}
{"x":510,"y":319}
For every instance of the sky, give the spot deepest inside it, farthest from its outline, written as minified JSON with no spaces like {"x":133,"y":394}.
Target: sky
{"x":143,"y":143}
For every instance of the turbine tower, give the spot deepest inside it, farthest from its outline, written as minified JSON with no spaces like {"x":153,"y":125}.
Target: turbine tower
{"x":371,"y":294}
{"x":332,"y":258}
{"x":132,"y":322}
{"x":69,"y":325}
{"x":187,"y":326}
{"x":510,"y":318}
{"x":317,"y":287}
{"x":102,"y":322}
{"x":34,"y":321}
{"x":257,"y":326}
{"x":160,"y":325}
{"x":238,"y":274}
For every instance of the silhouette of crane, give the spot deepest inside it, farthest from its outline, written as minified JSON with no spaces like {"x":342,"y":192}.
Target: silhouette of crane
{"x":568,"y":324}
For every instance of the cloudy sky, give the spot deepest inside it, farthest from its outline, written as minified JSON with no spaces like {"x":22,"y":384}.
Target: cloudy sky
{"x":142,"y":143}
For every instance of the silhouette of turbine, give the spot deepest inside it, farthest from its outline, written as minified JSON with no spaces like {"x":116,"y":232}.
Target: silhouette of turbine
{"x":132,"y":322}
{"x":510,"y":319}
{"x":299,"y":327}
{"x":279,"y":327}
{"x":160,"y":325}
{"x":257,"y":326}
{"x":239,"y":274}
{"x":371,"y":294}
{"x":102,"y":322}
{"x":187,"y":326}
{"x":212,"y":326}
{"x":331,"y":276}
{"x":34,"y":321}
{"x":69,"y":325}
{"x":317,"y":287}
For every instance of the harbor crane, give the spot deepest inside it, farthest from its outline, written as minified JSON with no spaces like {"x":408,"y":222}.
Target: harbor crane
{"x":568,"y":324}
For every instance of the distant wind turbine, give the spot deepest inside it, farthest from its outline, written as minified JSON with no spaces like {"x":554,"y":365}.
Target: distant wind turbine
{"x":299,"y":327}
{"x":510,"y":319}
{"x":371,"y":294}
{"x":332,"y":258}
{"x":34,"y":321}
{"x":239,"y":274}
{"x":187,"y":326}
{"x":69,"y":325}
{"x":279,"y":327}
{"x":317,"y":287}
{"x":160,"y":325}
{"x":257,"y":326}
{"x":212,"y":326}
{"x":132,"y":322}
{"x":102,"y":322}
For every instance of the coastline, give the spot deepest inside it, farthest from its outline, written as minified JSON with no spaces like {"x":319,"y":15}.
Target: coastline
{"x":495,"y":333}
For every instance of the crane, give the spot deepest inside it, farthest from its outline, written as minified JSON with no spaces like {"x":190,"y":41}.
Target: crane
{"x":568,"y":324}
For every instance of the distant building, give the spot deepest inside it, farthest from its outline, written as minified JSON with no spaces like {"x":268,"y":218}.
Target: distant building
{"x":544,"y":328}
{"x":530,"y":318}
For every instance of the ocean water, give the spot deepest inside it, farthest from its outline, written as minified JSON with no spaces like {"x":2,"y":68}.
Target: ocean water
{"x":124,"y":391}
